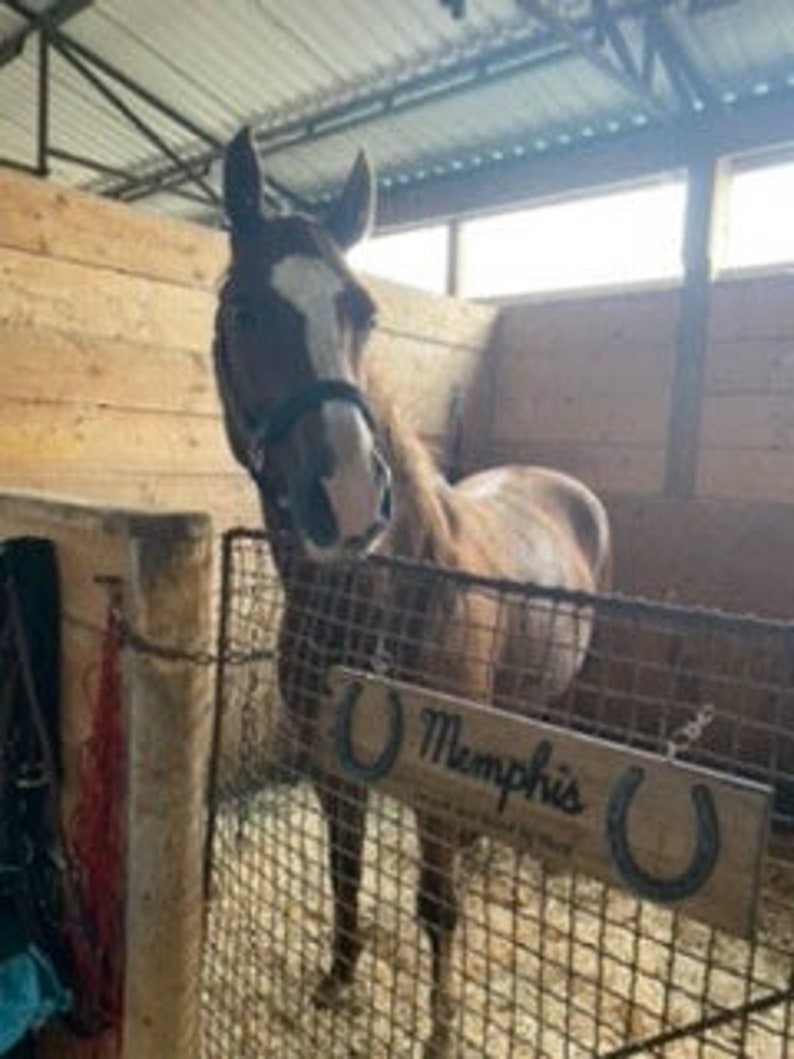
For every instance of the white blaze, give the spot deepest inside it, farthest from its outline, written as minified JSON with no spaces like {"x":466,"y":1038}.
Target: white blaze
{"x":311,"y":287}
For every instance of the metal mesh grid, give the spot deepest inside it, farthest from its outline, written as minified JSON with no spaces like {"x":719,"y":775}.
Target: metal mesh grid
{"x":546,"y":962}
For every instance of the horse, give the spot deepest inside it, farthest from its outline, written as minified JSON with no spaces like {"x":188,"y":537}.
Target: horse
{"x":340,"y":477}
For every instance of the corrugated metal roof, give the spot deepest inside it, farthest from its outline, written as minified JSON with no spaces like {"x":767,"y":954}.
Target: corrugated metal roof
{"x":435,"y":95}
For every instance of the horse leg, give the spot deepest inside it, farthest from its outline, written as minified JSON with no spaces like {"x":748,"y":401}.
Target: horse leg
{"x":437,"y":910}
{"x":345,"y":807}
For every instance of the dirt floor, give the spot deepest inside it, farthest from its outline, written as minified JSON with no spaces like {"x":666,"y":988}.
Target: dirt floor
{"x":547,"y":965}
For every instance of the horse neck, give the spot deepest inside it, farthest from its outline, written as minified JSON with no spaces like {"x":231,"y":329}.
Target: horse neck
{"x":422,"y":528}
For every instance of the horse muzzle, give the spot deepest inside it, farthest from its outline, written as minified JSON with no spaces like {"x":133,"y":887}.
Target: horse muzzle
{"x":340,"y":499}
{"x":343,"y":515}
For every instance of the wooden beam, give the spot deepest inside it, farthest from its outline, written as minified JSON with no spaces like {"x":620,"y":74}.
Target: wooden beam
{"x":706,"y":187}
{"x":167,"y":723}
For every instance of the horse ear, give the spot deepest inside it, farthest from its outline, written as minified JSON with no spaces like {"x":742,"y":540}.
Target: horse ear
{"x":242,"y":181}
{"x":350,"y":217}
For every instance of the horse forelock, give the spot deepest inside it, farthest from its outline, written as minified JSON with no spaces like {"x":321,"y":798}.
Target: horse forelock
{"x":256,"y":252}
{"x":290,"y":260}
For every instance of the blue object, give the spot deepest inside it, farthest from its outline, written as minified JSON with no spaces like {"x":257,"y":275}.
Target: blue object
{"x":30,"y":994}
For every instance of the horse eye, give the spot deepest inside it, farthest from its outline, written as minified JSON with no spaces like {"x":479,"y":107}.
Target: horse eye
{"x":359,"y":308}
{"x":244,"y":318}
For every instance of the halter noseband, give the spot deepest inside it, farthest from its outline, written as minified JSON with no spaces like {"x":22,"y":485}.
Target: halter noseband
{"x":276,"y":427}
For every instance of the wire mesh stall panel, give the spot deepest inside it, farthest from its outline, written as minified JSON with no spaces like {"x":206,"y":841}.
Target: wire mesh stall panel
{"x":548,"y":959}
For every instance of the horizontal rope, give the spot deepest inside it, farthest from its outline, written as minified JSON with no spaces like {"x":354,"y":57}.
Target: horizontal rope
{"x":172,"y":652}
{"x":697,"y":1029}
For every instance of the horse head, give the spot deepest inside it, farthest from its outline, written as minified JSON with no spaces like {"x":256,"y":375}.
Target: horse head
{"x":291,"y":327}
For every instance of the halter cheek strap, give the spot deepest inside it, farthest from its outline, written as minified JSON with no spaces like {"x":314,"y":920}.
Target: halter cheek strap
{"x":277,"y":426}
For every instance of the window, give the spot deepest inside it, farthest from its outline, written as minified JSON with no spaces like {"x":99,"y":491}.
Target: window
{"x":760,"y":217}
{"x":417,"y":258}
{"x":621,"y":237}
{"x":617,"y":238}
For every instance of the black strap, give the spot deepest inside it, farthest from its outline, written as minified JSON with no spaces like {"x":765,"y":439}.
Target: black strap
{"x":32,"y":855}
{"x":30,"y":822}
{"x":279,"y":423}
{"x":273,"y":430}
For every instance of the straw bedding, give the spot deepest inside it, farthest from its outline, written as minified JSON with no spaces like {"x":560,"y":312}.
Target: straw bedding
{"x":547,"y":964}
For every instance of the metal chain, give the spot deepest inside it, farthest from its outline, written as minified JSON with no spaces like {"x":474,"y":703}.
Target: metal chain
{"x":195,"y":656}
{"x":167,"y":652}
{"x":140,"y":644}
{"x":686,"y":735}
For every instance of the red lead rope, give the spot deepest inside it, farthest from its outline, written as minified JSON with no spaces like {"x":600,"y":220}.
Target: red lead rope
{"x":96,"y":848}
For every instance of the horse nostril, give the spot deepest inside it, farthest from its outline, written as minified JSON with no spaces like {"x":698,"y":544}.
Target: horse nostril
{"x":386,"y":504}
{"x":318,"y":515}
{"x":382,"y":475}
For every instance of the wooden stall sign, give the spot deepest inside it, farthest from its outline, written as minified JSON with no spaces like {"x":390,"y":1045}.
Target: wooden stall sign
{"x":672,"y":833}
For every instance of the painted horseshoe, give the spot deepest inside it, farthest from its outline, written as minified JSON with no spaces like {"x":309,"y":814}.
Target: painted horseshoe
{"x":704,"y":858}
{"x":366,"y":772}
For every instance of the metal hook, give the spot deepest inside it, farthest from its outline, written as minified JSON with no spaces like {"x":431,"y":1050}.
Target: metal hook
{"x":704,"y":858}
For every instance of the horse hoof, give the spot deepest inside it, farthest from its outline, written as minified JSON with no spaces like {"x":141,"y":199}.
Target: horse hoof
{"x":333,"y":993}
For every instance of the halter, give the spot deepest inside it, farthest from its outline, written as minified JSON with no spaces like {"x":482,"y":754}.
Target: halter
{"x":276,"y":427}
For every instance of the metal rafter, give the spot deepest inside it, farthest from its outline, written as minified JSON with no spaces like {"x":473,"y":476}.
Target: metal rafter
{"x":90,"y":65}
{"x":619,"y":73}
{"x":633,"y":60}
{"x":16,"y":164}
{"x":661,"y":47}
{"x":607,"y":29}
{"x":587,"y":164}
{"x":143,"y":93}
{"x":679,"y":64}
{"x":418,"y":92}
{"x":41,"y":24}
{"x":43,"y":126}
{"x":497,"y":64}
{"x":102,"y":169}
{"x":190,"y":171}
{"x":60,"y":12}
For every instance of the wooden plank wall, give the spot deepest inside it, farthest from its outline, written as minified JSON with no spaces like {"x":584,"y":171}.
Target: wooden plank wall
{"x":747,"y":428}
{"x":584,"y":383}
{"x":106,"y":389}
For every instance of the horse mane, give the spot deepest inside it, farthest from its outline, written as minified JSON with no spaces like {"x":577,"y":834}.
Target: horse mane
{"x":424,"y":523}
